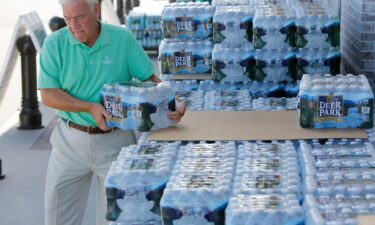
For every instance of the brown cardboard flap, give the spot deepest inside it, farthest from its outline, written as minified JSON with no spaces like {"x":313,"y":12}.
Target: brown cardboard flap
{"x":201,"y":76}
{"x":247,"y":125}
{"x":366,"y":219}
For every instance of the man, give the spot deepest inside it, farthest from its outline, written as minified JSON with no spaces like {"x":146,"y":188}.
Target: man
{"x":75,"y":62}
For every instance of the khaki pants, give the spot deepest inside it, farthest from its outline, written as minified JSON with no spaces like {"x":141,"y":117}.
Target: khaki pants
{"x":76,"y":157}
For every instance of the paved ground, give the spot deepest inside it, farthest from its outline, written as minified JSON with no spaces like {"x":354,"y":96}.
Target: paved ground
{"x":25,"y":153}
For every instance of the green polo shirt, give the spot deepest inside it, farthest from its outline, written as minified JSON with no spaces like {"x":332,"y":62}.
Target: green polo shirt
{"x":81,"y":71}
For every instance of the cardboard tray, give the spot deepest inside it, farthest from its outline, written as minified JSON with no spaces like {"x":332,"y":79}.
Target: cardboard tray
{"x":246,"y":125}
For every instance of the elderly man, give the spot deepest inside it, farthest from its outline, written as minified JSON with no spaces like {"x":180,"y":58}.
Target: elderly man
{"x":75,"y":62}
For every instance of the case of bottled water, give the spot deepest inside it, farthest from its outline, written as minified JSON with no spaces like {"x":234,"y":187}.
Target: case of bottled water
{"x":338,"y":168}
{"x":267,"y":168}
{"x":186,"y":57}
{"x":140,"y":106}
{"x":233,"y":24}
{"x":264,"y":210}
{"x":274,"y":27}
{"x":227,"y":101}
{"x":315,"y":27}
{"x":273,"y":89}
{"x":274,"y":104}
{"x":232,"y":62}
{"x":187,"y":91}
{"x":326,"y":101}
{"x":217,"y":3}
{"x":336,"y":211}
{"x":200,"y":185}
{"x":274,"y":65}
{"x":191,"y":20}
{"x":318,"y":61}
{"x":136,"y":180}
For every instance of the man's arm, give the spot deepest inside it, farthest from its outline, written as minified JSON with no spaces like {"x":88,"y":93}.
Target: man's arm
{"x":154,"y":79}
{"x":59,"y":99}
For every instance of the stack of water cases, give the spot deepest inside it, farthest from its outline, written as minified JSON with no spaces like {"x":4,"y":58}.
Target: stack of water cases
{"x":338,"y":180}
{"x":358,"y":31}
{"x":267,"y":179}
{"x":140,"y":106}
{"x":336,"y":102}
{"x":187,"y":32}
{"x":200,"y":185}
{"x":236,"y":100}
{"x":146,"y":27}
{"x":136,"y":181}
{"x":188,"y":92}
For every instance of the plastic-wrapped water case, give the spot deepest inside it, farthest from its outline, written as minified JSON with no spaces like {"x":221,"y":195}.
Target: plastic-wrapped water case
{"x":274,"y":27}
{"x":318,"y":61}
{"x":315,"y":27}
{"x":339,"y":210}
{"x":264,"y":210}
{"x":140,"y":106}
{"x":227,"y":101}
{"x":136,"y":180}
{"x":335,"y":102}
{"x":185,"y":57}
{"x":187,"y":21}
{"x":274,"y":104}
{"x":233,"y":24}
{"x":233,"y":62}
{"x":338,"y":168}
{"x":267,"y":168}
{"x":230,"y":3}
{"x":275,"y":65}
{"x":200,"y":185}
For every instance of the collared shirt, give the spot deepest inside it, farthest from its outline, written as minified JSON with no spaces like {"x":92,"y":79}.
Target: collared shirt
{"x":81,"y":71}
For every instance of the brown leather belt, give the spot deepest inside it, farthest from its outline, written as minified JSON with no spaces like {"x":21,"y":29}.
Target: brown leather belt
{"x":87,"y":129}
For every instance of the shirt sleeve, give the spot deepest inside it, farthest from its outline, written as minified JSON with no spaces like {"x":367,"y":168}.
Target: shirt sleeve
{"x":49,"y":67}
{"x":139,"y":64}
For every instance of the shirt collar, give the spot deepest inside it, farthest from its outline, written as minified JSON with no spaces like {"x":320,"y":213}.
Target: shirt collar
{"x":103,"y":39}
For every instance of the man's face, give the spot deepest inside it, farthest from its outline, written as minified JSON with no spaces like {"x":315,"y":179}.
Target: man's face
{"x":82,"y":20}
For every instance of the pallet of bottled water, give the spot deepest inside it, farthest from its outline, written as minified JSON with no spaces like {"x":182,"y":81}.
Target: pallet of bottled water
{"x":140,"y":106}
{"x":233,"y":24}
{"x":187,"y":91}
{"x":274,"y":104}
{"x":227,"y":101}
{"x":184,"y":21}
{"x":318,"y":61}
{"x":264,"y":210}
{"x":233,"y":62}
{"x":316,"y":27}
{"x":267,"y":168}
{"x":337,"y":210}
{"x":338,"y":167}
{"x":335,"y":102}
{"x":136,"y":180}
{"x":200,"y":186}
{"x":274,"y":65}
{"x":185,"y":57}
{"x":274,"y":27}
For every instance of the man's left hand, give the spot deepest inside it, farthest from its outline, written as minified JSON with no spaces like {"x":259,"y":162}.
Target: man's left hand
{"x":177,"y":115}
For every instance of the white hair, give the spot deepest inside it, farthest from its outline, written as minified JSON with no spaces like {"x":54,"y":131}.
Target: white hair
{"x":91,"y":3}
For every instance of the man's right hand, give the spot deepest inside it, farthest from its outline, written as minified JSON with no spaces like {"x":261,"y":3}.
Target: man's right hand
{"x":99,"y":114}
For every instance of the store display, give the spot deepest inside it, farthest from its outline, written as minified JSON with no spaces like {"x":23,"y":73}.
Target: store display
{"x":140,"y":106}
{"x":200,"y":185}
{"x":136,"y":181}
{"x":187,"y":21}
{"x":185,"y":57}
{"x":336,"y":102}
{"x":233,"y":24}
{"x":264,"y":210}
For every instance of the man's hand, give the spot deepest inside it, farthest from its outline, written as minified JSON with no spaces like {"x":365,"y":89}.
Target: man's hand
{"x":177,"y":115}
{"x":99,"y":114}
